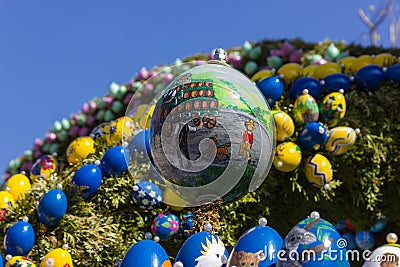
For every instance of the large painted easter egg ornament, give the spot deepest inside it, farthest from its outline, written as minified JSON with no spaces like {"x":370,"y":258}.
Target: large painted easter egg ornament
{"x":211,"y":135}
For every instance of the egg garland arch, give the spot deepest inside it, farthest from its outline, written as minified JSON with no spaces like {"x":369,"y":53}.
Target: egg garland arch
{"x":96,"y":112}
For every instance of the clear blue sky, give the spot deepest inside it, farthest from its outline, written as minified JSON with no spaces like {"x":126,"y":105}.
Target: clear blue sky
{"x":55,"y":55}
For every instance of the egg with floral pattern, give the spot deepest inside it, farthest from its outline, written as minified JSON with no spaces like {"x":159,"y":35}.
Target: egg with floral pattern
{"x":165,"y":225}
{"x":332,"y":108}
{"x":57,"y":258}
{"x":305,"y":109}
{"x":44,"y":167}
{"x":20,"y":261}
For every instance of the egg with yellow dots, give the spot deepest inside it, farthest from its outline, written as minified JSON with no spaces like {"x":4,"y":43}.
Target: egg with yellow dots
{"x":120,"y":130}
{"x":6,"y":200}
{"x":332,"y":108}
{"x":284,"y":125}
{"x":287,"y":157}
{"x":318,"y":170}
{"x":18,"y":185}
{"x":58,"y":257}
{"x":44,"y":167}
{"x":20,"y":261}
{"x":80,"y":149}
{"x":341,"y":139}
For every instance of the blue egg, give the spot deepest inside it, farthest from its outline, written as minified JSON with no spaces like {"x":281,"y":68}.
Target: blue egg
{"x":165,"y":225}
{"x":52,"y":207}
{"x":19,"y":239}
{"x":187,"y":224}
{"x":369,"y":77}
{"x":378,"y":226}
{"x":393,"y":73}
{"x":88,"y":176}
{"x":115,"y":161}
{"x":341,"y":226}
{"x":311,"y":84}
{"x":313,"y":242}
{"x":146,"y":195}
{"x":146,"y":253}
{"x":365,"y":240}
{"x":139,"y":146}
{"x":1,"y":261}
{"x":202,"y":249}
{"x":272,"y":89}
{"x":351,"y":240}
{"x":337,"y":81}
{"x":313,"y":136}
{"x":259,"y":244}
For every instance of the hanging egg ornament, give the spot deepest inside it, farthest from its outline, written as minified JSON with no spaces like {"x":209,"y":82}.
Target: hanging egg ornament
{"x":287,"y":157}
{"x":290,"y":71}
{"x":305,"y":109}
{"x":272,"y":89}
{"x":100,"y":131}
{"x":318,"y":170}
{"x":18,"y":185}
{"x":6,"y":200}
{"x":387,"y":255}
{"x":19,"y":238}
{"x":341,"y":139}
{"x":365,"y":240}
{"x":80,"y":149}
{"x":369,"y":77}
{"x":313,"y":239}
{"x":44,"y":167}
{"x":326,"y":69}
{"x":120,"y":130}
{"x":146,"y":195}
{"x":88,"y":178}
{"x":332,"y":108}
{"x":20,"y":261}
{"x":336,"y":82}
{"x":115,"y":161}
{"x":146,"y":253}
{"x":361,"y":62}
{"x":393,"y":73}
{"x":284,"y":125}
{"x":206,"y":135}
{"x":165,"y":225}
{"x":312,"y":85}
{"x":257,"y":246}
{"x":383,"y":59}
{"x":58,"y":257}
{"x":52,"y":207}
{"x":313,"y":136}
{"x":202,"y":249}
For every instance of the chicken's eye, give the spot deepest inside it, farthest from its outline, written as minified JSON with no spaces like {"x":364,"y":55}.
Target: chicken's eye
{"x":217,"y":255}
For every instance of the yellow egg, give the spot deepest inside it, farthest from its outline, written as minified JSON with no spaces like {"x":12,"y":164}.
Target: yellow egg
{"x":6,"y":200}
{"x":20,"y":261}
{"x":57,"y":258}
{"x":287,"y":157}
{"x":290,"y":71}
{"x":384,"y":59}
{"x":347,"y":62}
{"x":340,"y":139}
{"x":326,"y":69}
{"x":332,"y":108}
{"x":261,"y":75}
{"x":309,"y":70}
{"x":120,"y":129}
{"x":80,"y":149}
{"x":305,"y":109}
{"x":18,"y":185}
{"x":360,"y":62}
{"x":283,"y":124}
{"x":318,"y":170}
